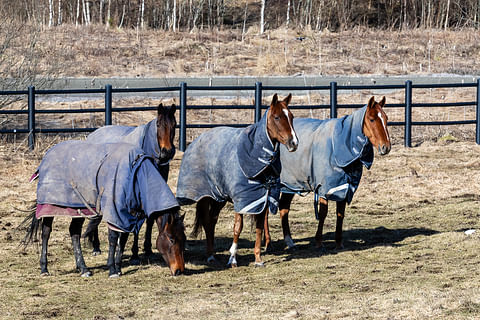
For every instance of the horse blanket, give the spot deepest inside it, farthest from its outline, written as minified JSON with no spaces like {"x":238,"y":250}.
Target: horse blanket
{"x":231,"y":164}
{"x":330,"y":157}
{"x":143,"y":137}
{"x":117,"y":181}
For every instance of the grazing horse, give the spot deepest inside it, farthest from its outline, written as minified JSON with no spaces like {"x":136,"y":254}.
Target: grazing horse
{"x":329,"y":162}
{"x":117,"y":181}
{"x":237,"y":165}
{"x":156,"y":139}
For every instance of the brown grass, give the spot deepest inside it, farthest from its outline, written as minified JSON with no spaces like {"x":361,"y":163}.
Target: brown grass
{"x":406,"y":255}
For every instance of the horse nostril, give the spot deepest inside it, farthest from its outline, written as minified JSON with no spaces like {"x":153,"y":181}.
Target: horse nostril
{"x":178,"y":272}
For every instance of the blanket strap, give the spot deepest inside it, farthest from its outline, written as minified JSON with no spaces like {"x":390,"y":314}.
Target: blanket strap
{"x":315,"y":204}
{"x":79,"y":195}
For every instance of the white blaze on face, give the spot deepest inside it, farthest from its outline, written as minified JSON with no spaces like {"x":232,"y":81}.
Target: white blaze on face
{"x":384,"y":126}
{"x":294,"y":134}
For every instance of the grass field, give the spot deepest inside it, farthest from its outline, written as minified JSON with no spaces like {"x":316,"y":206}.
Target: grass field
{"x":406,"y":254}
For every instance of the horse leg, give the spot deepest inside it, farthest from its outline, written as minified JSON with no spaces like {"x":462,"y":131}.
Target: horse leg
{"x":112,"y":248}
{"x":237,"y":229}
{"x":96,"y":243}
{"x":75,"y":233}
{"x":322,"y":213}
{"x":147,"y":243}
{"x":209,"y":223}
{"x":266,"y":234}
{"x":46,"y":230}
{"x":135,"y":259}
{"x":284,"y":206}
{"x":260,"y":222}
{"x":338,"y":230}
{"x":119,"y":253}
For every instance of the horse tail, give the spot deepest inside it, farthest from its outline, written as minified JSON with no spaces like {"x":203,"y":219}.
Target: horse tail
{"x":196,"y":225}
{"x":32,"y":226}
{"x":91,"y":227}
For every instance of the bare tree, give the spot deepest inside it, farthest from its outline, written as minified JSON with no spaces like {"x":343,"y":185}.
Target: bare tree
{"x":262,"y":17}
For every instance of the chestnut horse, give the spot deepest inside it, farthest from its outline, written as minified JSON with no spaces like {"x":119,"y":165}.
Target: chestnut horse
{"x":240,"y":166}
{"x":329,"y":162}
{"x":118,"y":182}
{"x":156,"y":139}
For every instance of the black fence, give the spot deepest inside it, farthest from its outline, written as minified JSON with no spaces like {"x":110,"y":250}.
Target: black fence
{"x":258,"y":89}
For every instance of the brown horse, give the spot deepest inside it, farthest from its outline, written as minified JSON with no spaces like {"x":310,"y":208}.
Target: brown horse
{"x":156,"y":139}
{"x":334,"y":151}
{"x":240,"y":166}
{"x":118,"y":182}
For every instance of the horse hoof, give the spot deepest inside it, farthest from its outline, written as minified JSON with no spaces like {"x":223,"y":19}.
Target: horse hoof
{"x":292,"y":249}
{"x":212,"y":260}
{"x":114,"y":276}
{"x":96,"y":252}
{"x":87,"y":274}
{"x":233,"y":265}
{"x":259,"y":265}
{"x":45,"y":274}
{"x":321,"y":250}
{"x":135,"y":261}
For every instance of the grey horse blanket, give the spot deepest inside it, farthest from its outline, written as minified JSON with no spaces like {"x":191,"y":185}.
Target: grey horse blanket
{"x":117,"y":181}
{"x":143,"y":137}
{"x":330,"y":157}
{"x":230,"y":164}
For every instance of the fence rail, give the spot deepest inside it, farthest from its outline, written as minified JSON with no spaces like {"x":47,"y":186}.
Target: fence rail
{"x":258,"y":89}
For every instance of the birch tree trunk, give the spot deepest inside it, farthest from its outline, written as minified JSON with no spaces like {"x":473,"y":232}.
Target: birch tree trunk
{"x":262,"y":17}
{"x":60,"y":17}
{"x":174,"y":16}
{"x":50,"y":13}
{"x":109,"y":19}
{"x":78,"y":13}
{"x":288,"y":13}
{"x":446,"y":15}
{"x":142,"y":13}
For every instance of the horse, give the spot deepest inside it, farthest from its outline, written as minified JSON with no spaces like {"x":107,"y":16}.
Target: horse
{"x":116,"y":181}
{"x":156,"y":139}
{"x":329,"y":162}
{"x":240,"y":166}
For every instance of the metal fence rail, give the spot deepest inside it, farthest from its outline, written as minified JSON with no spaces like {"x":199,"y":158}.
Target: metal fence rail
{"x":258,"y":89}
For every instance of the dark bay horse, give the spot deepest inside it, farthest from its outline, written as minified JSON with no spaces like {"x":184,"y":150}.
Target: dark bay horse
{"x":329,"y":162}
{"x":118,"y":182}
{"x":156,"y":139}
{"x":240,"y":166}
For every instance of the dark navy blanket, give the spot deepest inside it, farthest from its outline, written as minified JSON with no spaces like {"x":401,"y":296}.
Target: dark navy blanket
{"x":118,"y":180}
{"x":143,"y":137}
{"x":330,"y":157}
{"x":229,"y":164}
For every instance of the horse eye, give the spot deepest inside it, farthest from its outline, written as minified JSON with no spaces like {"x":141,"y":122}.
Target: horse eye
{"x":277,"y":118}
{"x":372,"y":120}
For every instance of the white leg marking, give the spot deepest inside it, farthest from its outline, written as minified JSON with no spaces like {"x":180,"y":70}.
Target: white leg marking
{"x":233,"y":255}
{"x":288,"y":240}
{"x":294,"y":134}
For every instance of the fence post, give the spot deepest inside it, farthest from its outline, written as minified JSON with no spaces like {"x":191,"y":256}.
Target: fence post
{"x":108,"y":104}
{"x":258,"y":101}
{"x":183,"y":117}
{"x":31,"y":117}
{"x":333,"y":100}
{"x":408,"y":114}
{"x":477,"y":126}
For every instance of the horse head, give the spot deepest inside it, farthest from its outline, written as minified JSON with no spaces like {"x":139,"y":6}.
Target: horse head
{"x":171,"y":240}
{"x":280,"y":123}
{"x":375,"y":126}
{"x":166,"y":124}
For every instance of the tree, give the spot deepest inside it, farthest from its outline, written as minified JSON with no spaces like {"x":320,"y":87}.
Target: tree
{"x":262,"y":17}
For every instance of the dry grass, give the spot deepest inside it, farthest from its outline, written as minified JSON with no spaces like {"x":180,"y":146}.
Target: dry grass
{"x":406,"y":254}
{"x":95,"y":52}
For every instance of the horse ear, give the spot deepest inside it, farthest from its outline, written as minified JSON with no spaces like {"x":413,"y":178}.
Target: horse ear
{"x":371,"y":102}
{"x":274,"y":100}
{"x":288,"y":99}
{"x":173,"y":108}
{"x":159,"y":109}
{"x":382,"y":102}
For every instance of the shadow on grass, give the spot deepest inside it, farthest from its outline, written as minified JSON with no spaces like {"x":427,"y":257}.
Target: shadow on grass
{"x":354,"y":240}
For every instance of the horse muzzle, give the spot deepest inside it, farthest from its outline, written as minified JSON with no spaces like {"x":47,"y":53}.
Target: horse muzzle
{"x":292,"y":144}
{"x":384,"y":149}
{"x":166,"y":154}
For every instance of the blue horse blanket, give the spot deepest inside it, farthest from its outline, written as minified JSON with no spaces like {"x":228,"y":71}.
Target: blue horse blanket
{"x":117,"y":181}
{"x":230,"y":164}
{"x":330,"y":157}
{"x":143,"y":137}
